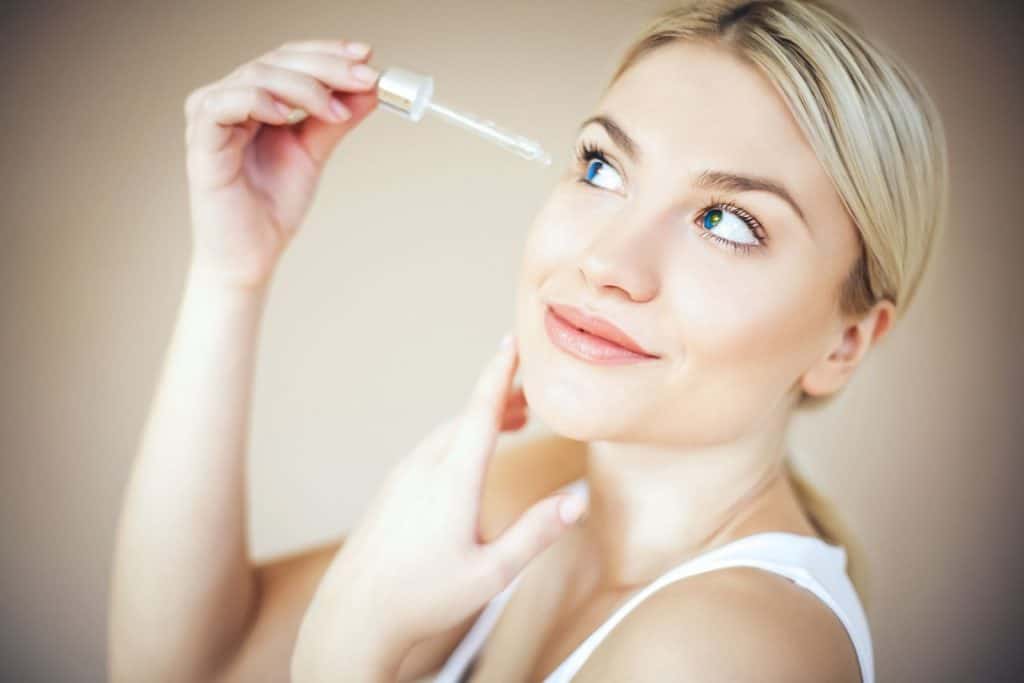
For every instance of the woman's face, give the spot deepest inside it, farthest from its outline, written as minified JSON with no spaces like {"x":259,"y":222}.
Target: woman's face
{"x":734,"y":327}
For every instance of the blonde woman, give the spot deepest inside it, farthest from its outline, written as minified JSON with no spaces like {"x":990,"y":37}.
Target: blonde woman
{"x":751,"y":207}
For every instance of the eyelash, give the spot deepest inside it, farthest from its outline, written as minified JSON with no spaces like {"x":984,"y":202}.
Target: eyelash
{"x":587,"y":151}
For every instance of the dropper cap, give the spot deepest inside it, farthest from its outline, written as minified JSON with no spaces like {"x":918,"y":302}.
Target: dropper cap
{"x":405,"y":92}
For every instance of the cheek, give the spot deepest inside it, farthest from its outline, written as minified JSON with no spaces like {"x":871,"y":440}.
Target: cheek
{"x":557,"y":235}
{"x":752,"y":330}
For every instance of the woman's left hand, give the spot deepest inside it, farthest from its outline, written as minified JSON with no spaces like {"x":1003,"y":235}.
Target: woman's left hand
{"x":415,"y":564}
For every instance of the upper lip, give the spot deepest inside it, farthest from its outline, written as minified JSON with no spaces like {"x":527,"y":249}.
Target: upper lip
{"x":598,"y":326}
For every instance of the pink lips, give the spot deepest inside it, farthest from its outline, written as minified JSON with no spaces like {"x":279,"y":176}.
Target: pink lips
{"x":591,"y":338}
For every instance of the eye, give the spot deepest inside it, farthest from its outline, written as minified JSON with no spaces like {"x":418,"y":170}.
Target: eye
{"x":730,"y":225}
{"x":598,"y":170}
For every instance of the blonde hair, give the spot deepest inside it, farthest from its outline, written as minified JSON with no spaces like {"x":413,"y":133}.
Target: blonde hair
{"x":877,"y":134}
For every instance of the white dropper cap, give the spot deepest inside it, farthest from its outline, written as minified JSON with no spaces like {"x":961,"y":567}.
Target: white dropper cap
{"x":405,"y":92}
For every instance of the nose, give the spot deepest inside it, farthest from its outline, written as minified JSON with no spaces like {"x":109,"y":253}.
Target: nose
{"x":625,"y":256}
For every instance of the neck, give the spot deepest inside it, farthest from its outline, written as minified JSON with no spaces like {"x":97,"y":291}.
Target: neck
{"x":652,"y":507}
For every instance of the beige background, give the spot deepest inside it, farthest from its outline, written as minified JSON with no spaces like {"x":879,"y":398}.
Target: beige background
{"x":402,"y":282}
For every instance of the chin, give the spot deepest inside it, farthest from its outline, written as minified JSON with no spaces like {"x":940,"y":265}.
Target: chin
{"x":572,"y":411}
{"x":577,"y":400}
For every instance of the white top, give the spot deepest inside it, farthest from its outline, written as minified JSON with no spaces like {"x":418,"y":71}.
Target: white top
{"x":809,"y":562}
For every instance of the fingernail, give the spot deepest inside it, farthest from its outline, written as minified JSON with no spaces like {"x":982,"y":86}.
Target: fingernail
{"x":570,"y":508}
{"x":365,"y":73}
{"x":296,"y":115}
{"x":339,"y":109}
{"x":357,"y":49}
{"x":507,"y":341}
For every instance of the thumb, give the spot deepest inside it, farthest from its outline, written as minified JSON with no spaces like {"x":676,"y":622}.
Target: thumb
{"x":536,"y":529}
{"x":320,"y":137}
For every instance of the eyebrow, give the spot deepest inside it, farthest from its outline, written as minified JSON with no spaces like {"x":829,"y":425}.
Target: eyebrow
{"x":707,"y":179}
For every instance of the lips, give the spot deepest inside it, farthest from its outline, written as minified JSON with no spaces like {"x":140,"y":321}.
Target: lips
{"x":599,"y":327}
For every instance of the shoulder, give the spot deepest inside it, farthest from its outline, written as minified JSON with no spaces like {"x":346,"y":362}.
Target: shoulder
{"x":738,"y":624}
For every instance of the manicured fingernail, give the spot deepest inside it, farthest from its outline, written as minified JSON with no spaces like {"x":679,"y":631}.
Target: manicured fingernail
{"x":507,"y":341}
{"x":357,"y":49}
{"x":571,"y":508}
{"x":365,"y":73}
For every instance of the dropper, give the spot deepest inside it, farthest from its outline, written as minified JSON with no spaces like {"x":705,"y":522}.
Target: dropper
{"x":410,"y":95}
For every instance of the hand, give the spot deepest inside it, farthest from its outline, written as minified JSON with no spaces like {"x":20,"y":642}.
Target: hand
{"x":415,"y":565}
{"x":251,"y":174}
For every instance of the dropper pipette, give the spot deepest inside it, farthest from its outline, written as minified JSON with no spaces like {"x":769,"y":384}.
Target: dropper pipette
{"x":410,"y":95}
{"x":524,"y":147}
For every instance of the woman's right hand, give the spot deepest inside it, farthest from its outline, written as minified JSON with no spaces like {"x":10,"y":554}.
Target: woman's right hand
{"x":252,"y":174}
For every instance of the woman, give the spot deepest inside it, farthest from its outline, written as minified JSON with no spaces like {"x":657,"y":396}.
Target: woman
{"x":753,"y":204}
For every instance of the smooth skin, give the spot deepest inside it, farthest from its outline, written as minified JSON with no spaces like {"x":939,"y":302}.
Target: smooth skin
{"x":188,"y":603}
{"x":415,"y":565}
{"x":685,"y":452}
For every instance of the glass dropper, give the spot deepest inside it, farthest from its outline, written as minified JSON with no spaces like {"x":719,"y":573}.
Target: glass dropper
{"x":410,"y":95}
{"x":523,"y":146}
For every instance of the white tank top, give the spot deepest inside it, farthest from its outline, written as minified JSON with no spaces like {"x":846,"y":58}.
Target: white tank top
{"x":809,"y":562}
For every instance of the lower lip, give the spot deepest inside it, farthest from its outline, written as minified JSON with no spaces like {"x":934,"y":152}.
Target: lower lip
{"x":587,"y":346}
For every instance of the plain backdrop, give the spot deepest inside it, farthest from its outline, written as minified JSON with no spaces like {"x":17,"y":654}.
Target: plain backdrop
{"x":402,"y":281}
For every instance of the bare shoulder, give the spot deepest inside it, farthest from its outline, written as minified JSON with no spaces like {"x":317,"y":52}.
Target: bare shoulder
{"x":521,"y":473}
{"x":739,"y":624}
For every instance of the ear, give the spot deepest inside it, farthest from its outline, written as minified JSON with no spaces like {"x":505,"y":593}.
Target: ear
{"x":831,"y":373}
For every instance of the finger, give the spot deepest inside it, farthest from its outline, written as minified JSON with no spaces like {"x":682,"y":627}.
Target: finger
{"x":536,"y":529}
{"x":352,"y":49}
{"x":195,"y":100}
{"x":299,"y":90}
{"x":321,"y":137}
{"x":474,"y":441}
{"x":223,"y":108}
{"x":337,"y":72}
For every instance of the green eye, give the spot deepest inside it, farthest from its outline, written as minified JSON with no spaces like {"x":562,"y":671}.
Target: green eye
{"x":730,"y":225}
{"x":712,"y":218}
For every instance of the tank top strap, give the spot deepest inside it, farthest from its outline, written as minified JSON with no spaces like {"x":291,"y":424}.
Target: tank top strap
{"x":809,"y":562}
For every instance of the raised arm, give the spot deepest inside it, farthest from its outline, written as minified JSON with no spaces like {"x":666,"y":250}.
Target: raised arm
{"x":184,"y":590}
{"x":183,"y":585}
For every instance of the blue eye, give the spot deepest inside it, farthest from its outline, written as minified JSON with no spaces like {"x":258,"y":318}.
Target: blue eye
{"x":597,"y":167}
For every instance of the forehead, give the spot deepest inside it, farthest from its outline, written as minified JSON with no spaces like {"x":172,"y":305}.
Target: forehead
{"x":697,"y":105}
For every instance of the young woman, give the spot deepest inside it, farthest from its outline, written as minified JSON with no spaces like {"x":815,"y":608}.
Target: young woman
{"x":752,"y":206}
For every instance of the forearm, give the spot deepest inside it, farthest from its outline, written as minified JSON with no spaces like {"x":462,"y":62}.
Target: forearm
{"x":183,"y":585}
{"x":345,"y":636}
{"x":354,"y":652}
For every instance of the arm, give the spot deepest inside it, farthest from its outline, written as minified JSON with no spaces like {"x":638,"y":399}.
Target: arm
{"x":520,"y":475}
{"x":183,"y":588}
